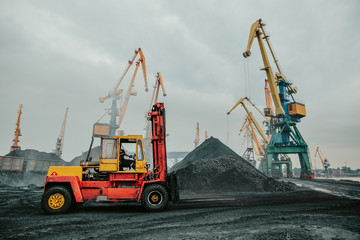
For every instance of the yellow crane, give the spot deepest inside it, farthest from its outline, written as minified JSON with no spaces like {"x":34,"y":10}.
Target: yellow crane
{"x":241,"y":101}
{"x":324,"y":161}
{"x":255,"y":32}
{"x":286,"y":138}
{"x":129,"y":92}
{"x":15,"y":146}
{"x":116,"y":92}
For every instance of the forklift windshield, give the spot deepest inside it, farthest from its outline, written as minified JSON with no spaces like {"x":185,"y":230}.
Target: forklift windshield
{"x":109,"y":148}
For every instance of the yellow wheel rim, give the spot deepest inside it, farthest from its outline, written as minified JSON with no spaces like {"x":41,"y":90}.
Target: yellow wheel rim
{"x":56,"y":201}
{"x":154,"y":198}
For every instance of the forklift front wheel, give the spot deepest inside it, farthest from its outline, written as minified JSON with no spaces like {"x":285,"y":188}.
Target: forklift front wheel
{"x":154,"y":198}
{"x":57,"y":199}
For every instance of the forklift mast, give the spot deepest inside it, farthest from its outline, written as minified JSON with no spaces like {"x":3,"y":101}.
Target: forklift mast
{"x":157,"y":117}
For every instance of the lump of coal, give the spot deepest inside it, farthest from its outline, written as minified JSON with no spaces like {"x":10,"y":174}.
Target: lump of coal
{"x":214,"y":167}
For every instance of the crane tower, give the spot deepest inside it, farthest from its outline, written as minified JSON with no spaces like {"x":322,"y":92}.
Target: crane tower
{"x":15,"y":146}
{"x":60,"y":140}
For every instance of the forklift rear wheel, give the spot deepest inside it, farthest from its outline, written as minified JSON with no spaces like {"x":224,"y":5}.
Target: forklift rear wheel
{"x":154,"y":198}
{"x":57,"y":199}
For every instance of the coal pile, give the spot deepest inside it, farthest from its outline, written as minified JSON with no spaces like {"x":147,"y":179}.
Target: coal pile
{"x":94,"y":155}
{"x":214,"y":167}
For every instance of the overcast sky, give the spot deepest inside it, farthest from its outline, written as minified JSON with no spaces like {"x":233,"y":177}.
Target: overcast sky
{"x":58,"y":54}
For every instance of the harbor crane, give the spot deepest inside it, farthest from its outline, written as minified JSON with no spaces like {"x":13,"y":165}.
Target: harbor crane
{"x":60,"y":140}
{"x":324,"y":161}
{"x":116,"y":92}
{"x":285,"y":137}
{"x":15,"y":145}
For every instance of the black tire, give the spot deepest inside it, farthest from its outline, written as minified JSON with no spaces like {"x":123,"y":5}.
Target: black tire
{"x":57,"y":200}
{"x":154,"y":198}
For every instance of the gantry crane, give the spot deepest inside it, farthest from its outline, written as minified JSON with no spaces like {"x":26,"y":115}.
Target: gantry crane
{"x":324,"y":161}
{"x":15,"y":145}
{"x":286,"y":138}
{"x":60,"y":140}
{"x":197,"y":136}
{"x":115,"y":93}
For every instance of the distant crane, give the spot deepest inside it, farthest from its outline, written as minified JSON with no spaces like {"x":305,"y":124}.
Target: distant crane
{"x":325,"y":163}
{"x":60,"y":140}
{"x":154,"y":98}
{"x":197,"y":137}
{"x":241,"y":101}
{"x":15,"y":146}
{"x":251,"y":137}
{"x":159,"y":83}
{"x":250,"y":132}
{"x":206,"y":135}
{"x":115,"y":94}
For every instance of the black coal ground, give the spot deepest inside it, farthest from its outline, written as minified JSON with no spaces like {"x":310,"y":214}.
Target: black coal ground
{"x":257,"y":215}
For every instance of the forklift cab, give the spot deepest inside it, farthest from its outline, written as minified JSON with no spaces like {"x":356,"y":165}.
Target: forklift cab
{"x":122,"y":154}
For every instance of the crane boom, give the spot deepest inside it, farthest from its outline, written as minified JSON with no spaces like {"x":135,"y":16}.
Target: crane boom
{"x":258,"y":144}
{"x":142,"y":60}
{"x":115,"y":93}
{"x":159,"y":82}
{"x":325,"y":163}
{"x":128,"y":93}
{"x":255,"y":32}
{"x":15,"y":146}
{"x":241,"y":101}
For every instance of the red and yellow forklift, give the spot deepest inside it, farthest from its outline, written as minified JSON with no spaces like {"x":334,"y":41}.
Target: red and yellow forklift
{"x":118,"y":176}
